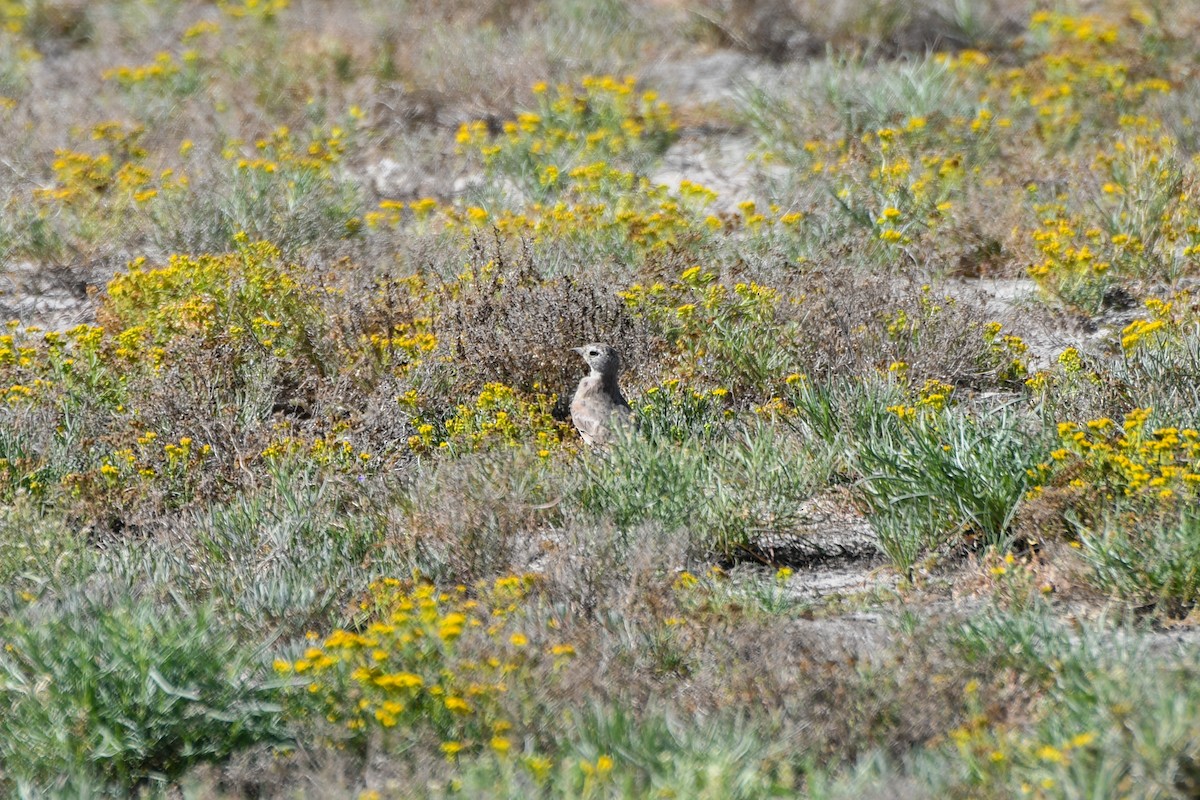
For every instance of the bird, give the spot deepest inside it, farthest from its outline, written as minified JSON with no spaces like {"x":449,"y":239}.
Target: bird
{"x":598,"y":406}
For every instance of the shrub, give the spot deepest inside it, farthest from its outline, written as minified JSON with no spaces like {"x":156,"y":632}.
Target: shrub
{"x":941,"y":474}
{"x":604,"y":120}
{"x":423,"y":662}
{"x":723,"y":492}
{"x":1146,"y":559}
{"x":125,"y":697}
{"x":250,"y":294}
{"x":1136,"y":461}
{"x":510,"y":320}
{"x":1106,"y":707}
{"x":479,"y":515}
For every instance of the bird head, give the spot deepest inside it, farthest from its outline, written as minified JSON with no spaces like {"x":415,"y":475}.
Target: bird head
{"x":602,"y":358}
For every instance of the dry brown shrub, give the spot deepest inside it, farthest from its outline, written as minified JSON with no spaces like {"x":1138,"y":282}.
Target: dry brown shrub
{"x":515,"y":325}
{"x":477,"y":517}
{"x":844,"y":319}
{"x":786,"y":29}
{"x":60,"y":25}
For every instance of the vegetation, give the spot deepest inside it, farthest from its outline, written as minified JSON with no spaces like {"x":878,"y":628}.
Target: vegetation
{"x":290,"y":501}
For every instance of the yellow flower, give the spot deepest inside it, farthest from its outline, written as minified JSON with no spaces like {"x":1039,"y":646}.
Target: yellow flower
{"x":400,"y":680}
{"x":1052,"y":754}
{"x":539,"y":767}
{"x":1083,"y":739}
{"x":457,"y":705}
{"x":686,"y":580}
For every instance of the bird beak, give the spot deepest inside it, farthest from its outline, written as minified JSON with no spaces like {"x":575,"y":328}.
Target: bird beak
{"x":577,"y":350}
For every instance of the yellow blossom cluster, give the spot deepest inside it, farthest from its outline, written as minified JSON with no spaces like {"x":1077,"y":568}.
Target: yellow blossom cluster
{"x":165,"y":73}
{"x":1140,"y":223}
{"x":678,"y":411}
{"x":498,"y":416}
{"x":1072,"y":267}
{"x":114,"y":180}
{"x":1130,"y":460}
{"x":925,"y":401}
{"x":421,"y":659}
{"x":332,"y":451}
{"x":576,"y":160}
{"x":602,"y":119}
{"x":291,"y":156}
{"x":172,"y":467}
{"x":1007,"y":353}
{"x":1166,"y":326}
{"x":248,"y":294}
{"x":1086,"y":70}
{"x":261,"y":10}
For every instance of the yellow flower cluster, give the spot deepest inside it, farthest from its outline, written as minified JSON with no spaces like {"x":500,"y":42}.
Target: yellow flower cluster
{"x":173,"y":465}
{"x":575,"y":158}
{"x":331,"y":451}
{"x":679,"y":411}
{"x":993,"y":749}
{"x":421,"y":658}
{"x":704,"y":317}
{"x":498,"y":416}
{"x":604,"y":118}
{"x":1168,"y":330}
{"x":261,"y":10}
{"x":1082,"y":74}
{"x":696,"y":300}
{"x":1070,"y":267}
{"x":924,"y":402}
{"x":1129,"y":461}
{"x":247,"y":294}
{"x":113,"y":180}
{"x":35,"y":362}
{"x":1141,"y":223}
{"x":162,"y":74}
{"x":1006,"y":352}
{"x":291,"y":156}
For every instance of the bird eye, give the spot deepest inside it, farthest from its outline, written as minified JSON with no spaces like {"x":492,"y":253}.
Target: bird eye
{"x":593,"y":352}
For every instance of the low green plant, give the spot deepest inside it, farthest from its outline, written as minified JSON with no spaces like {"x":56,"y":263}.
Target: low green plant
{"x":724,"y":492}
{"x":837,"y":412}
{"x":735,"y":335}
{"x":37,"y":547}
{"x":273,"y":561}
{"x":1160,"y":359}
{"x":249,"y":294}
{"x":422,"y":661}
{"x":127,"y":696}
{"x":935,"y":474}
{"x":1146,"y":561}
{"x":614,"y":753}
{"x":1110,"y":716}
{"x":677,"y":413}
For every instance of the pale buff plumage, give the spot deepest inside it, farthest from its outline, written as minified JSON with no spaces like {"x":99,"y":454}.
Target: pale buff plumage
{"x":598,"y":406}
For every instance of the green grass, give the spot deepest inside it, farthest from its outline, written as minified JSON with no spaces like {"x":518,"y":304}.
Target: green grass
{"x":722,"y":492}
{"x":122,"y":695}
{"x":1146,"y":562}
{"x":945,"y":475}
